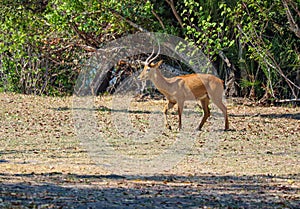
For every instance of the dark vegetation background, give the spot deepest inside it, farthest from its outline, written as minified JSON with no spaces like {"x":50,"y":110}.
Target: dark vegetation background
{"x":254,"y":44}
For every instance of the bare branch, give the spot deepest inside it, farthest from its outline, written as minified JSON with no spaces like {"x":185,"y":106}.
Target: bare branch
{"x":171,"y":3}
{"x":294,"y":5}
{"x":287,"y":100}
{"x":293,"y":25}
{"x":128,"y":21}
{"x":224,"y":58}
{"x":87,"y":48}
{"x":159,"y":19}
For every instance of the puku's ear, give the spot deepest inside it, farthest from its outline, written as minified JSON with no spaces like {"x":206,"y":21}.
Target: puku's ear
{"x":156,"y":65}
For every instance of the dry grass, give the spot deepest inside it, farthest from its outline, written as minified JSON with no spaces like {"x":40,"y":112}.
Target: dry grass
{"x":44,"y":164}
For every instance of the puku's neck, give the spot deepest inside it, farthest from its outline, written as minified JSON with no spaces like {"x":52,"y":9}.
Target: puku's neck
{"x":160,"y":81}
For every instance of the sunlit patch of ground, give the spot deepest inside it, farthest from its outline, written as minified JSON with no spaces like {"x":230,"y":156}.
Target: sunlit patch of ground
{"x":44,"y":164}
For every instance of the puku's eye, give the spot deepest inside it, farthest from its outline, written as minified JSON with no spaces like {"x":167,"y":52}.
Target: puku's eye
{"x":148,"y":69}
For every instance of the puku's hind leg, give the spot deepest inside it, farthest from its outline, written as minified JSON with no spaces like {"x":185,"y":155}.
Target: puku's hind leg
{"x":219,"y":103}
{"x":216,"y":96}
{"x":204,"y":104}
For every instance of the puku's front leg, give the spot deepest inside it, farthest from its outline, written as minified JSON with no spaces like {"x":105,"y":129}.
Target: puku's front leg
{"x":168,"y":106}
{"x":180,"y":110}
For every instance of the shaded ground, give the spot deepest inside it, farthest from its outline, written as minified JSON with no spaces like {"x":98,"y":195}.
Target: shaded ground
{"x":44,"y":165}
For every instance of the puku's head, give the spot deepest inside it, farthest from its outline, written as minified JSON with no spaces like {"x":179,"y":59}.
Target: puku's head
{"x":149,"y":66}
{"x":149,"y":70}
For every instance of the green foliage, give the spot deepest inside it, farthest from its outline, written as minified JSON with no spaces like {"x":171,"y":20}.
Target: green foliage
{"x":254,"y":34}
{"x":20,"y":36}
{"x":43,"y":43}
{"x":262,"y":29}
{"x":205,"y":27}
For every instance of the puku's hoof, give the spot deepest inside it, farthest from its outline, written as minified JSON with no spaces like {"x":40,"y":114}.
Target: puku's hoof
{"x":229,"y":129}
{"x":168,"y":127}
{"x":198,"y":128}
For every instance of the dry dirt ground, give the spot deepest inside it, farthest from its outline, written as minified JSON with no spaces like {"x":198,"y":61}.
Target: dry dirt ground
{"x":43,"y":164}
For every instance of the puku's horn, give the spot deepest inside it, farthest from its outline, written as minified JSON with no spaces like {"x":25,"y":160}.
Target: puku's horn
{"x":158,"y":52}
{"x":149,"y":60}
